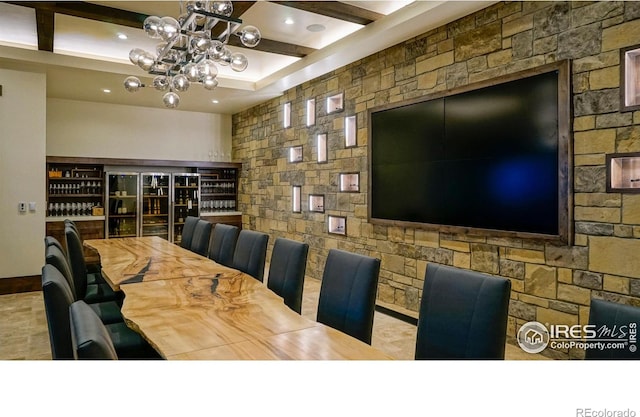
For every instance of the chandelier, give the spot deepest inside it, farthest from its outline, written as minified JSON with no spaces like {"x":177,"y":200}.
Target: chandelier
{"x":189,"y":53}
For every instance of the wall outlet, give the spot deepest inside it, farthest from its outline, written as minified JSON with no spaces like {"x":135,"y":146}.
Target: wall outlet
{"x":22,"y":207}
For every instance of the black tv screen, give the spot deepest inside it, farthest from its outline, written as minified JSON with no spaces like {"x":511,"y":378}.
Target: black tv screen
{"x":489,"y":158}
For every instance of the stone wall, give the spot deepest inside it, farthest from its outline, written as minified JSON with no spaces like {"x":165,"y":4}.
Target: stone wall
{"x":550,"y":283}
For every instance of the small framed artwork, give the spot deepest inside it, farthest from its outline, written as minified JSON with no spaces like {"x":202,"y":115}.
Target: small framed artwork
{"x":296,"y":191}
{"x":322,"y":148}
{"x":350,"y":139}
{"x":337,"y":225}
{"x":311,"y":112}
{"x":630,"y":76}
{"x":316,"y":203}
{"x":350,"y":182}
{"x":286,"y":115}
{"x":295,"y":154}
{"x":335,"y":103}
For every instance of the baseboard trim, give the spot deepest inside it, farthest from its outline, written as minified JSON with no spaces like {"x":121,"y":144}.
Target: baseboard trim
{"x":396,"y":314}
{"x":20,"y":284}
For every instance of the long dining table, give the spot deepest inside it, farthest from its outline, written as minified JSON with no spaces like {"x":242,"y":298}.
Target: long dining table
{"x":189,"y":307}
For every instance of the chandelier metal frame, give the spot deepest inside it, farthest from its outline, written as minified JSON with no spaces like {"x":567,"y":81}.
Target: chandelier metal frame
{"x":191,"y":54}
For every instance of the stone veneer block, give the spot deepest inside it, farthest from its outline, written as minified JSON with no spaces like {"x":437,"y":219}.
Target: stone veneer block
{"x":524,"y":255}
{"x":517,"y":25}
{"x":565,"y":275}
{"x":574,"y":294}
{"x":455,"y":245}
{"x":597,"y":214}
{"x":604,"y":78}
{"x":540,"y":280}
{"x":462,"y":260}
{"x":615,"y":284}
{"x":589,"y":160}
{"x":567,"y":256}
{"x":631,"y":209}
{"x":615,"y":256}
{"x":595,"y":141}
{"x":620,"y":36}
{"x":549,"y":316}
{"x":434,"y":63}
{"x":584,"y":123}
{"x":480,"y":41}
{"x":597,"y":199}
{"x":485,"y":258}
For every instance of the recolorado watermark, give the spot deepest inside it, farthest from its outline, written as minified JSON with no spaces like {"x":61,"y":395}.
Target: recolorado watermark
{"x":534,"y":337}
{"x":590,"y":412}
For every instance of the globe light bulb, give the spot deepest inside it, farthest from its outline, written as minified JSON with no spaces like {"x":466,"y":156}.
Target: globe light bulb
{"x":169,"y":29}
{"x":250,"y":36}
{"x":191,"y":72}
{"x":195,"y":6}
{"x":132,"y":84}
{"x":180,"y":82}
{"x":239,"y":62}
{"x":200,"y":42}
{"x":146,"y":60}
{"x":209,"y":83}
{"x":151,"y":25}
{"x":134,"y":55}
{"x":171,"y":100}
{"x":207,"y":69}
{"x":161,"y":83}
{"x":224,"y":8}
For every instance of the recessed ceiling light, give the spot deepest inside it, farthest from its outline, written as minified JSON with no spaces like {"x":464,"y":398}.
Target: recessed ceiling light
{"x":106,"y":90}
{"x":214,"y":101}
{"x":122,"y":36}
{"x":316,"y":28}
{"x":288,"y":21}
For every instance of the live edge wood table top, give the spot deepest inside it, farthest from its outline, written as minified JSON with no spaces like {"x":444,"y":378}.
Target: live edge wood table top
{"x":189,"y":307}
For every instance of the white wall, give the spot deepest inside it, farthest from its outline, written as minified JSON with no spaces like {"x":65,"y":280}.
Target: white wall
{"x":79,"y":128}
{"x":22,"y":172}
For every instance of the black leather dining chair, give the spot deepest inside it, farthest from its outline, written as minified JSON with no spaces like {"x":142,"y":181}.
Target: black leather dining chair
{"x":187,"y":231}
{"x":58,"y":298}
{"x":223,"y":243}
{"x":348,"y":293}
{"x":89,"y":337}
{"x":614,"y":316}
{"x":201,"y":237}
{"x":463,"y":315}
{"x":251,"y":253}
{"x":84,"y":291}
{"x":286,"y":271}
{"x":109,"y":311}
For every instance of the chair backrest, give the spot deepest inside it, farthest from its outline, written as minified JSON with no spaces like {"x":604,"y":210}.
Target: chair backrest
{"x":187,"y":231}
{"x":286,"y":271}
{"x":251,"y":253}
{"x":348,"y":293}
{"x":201,"y":237}
{"x":463,"y":315}
{"x":52,"y":241}
{"x":223,"y":243}
{"x":55,"y":257}
{"x":77,"y":264}
{"x":89,"y":337}
{"x":613,"y":316}
{"x":57,"y":299}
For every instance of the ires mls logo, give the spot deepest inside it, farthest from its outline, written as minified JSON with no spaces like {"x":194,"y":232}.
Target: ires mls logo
{"x":534,"y":337}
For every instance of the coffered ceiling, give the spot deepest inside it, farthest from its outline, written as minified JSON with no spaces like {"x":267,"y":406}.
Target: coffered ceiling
{"x":83,"y":47}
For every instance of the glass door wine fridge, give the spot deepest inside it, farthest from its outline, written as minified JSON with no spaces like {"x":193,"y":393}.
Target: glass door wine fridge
{"x":122,"y":204}
{"x":186,"y":197}
{"x":155,"y":213}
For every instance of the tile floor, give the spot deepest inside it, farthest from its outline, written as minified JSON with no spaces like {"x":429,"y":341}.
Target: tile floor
{"x":24,"y":334}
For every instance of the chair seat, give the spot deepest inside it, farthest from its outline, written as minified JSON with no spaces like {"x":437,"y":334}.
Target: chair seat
{"x":108,"y":311}
{"x":129,"y":344}
{"x":98,"y":293}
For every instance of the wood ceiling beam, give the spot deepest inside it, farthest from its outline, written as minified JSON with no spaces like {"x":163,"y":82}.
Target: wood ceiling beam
{"x":45,"y":22}
{"x":132,"y":19}
{"x":335,"y":9}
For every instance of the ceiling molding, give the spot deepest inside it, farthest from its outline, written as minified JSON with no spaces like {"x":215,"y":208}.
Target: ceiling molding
{"x":335,"y":9}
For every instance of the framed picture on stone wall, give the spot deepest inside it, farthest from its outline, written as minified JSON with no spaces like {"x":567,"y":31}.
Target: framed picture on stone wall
{"x":630,"y":77}
{"x":296,"y":192}
{"x":295,"y":154}
{"x":337,"y":225}
{"x":349,"y":182}
{"x":321,"y":140}
{"x":316,"y":203}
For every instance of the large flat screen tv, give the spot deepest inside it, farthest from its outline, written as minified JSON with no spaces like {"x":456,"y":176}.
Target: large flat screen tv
{"x":492,"y":157}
